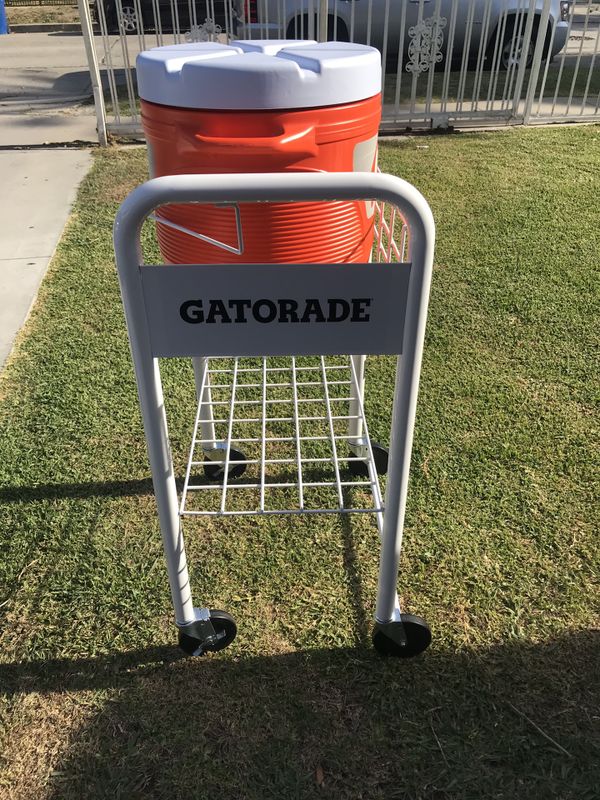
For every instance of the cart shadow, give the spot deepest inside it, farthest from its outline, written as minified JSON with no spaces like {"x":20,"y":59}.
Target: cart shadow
{"x":122,"y":488}
{"x":75,"y":491}
{"x":143,"y":486}
{"x":333,"y":723}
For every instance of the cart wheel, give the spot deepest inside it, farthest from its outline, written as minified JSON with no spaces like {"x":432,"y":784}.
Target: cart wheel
{"x":380,"y":456}
{"x":225,"y":629}
{"x":215,"y":472}
{"x":416,"y":631}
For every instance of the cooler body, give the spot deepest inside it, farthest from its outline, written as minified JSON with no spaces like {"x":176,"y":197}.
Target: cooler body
{"x":263,"y":107}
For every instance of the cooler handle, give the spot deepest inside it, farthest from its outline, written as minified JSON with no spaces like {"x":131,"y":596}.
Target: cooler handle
{"x":293,"y":140}
{"x":238,"y":250}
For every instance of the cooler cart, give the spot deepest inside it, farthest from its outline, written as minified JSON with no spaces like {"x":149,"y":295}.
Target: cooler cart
{"x":260,"y":443}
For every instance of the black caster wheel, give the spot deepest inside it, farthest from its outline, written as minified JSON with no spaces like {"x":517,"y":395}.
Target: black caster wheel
{"x":225,"y":630}
{"x":416,"y":632}
{"x":216,"y":472}
{"x":380,"y":456}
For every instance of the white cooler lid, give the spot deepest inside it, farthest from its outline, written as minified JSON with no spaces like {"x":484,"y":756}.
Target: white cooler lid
{"x":258,"y":74}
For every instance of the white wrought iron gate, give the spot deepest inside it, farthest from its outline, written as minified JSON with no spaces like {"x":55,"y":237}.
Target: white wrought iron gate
{"x":446,"y":62}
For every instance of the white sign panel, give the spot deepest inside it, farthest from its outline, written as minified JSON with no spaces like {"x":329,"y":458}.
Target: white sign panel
{"x":275,"y":309}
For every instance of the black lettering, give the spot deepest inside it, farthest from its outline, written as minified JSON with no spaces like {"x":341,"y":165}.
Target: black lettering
{"x":288,"y":311}
{"x":191,"y":311}
{"x":271,"y":313}
{"x":313,"y":309}
{"x":217,"y":308}
{"x":240,"y":306}
{"x":359,"y":309}
{"x":265,"y":311}
{"x":334,"y":314}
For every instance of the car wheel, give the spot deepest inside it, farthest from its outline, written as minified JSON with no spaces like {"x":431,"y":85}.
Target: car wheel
{"x":128,"y":21}
{"x":512,"y":50}
{"x":298,"y":28}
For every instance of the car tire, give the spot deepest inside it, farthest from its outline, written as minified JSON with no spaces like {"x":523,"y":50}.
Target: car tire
{"x":510,"y":52}
{"x":129,"y":18}
{"x":299,"y":25}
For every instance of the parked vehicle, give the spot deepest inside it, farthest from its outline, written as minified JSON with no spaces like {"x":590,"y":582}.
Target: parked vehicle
{"x":168,"y":15}
{"x":501,"y":22}
{"x":365,"y":21}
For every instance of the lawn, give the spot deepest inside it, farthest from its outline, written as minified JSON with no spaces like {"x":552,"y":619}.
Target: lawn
{"x":39,"y":14}
{"x":496,"y":84}
{"x":501,"y":552}
{"x":458,"y":96}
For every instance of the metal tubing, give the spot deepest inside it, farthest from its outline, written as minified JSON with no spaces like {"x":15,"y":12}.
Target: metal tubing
{"x":311,"y":20}
{"x":131,"y":96}
{"x":332,"y":436}
{"x":128,"y":257}
{"x":323,"y":6}
{"x":269,"y":187}
{"x":481,"y":57}
{"x":523,"y":60}
{"x":277,"y":187}
{"x":578,"y":61}
{"x":591,"y":71}
{"x":202,"y":380}
{"x":92,"y":59}
{"x":380,"y":516}
{"x":229,"y":436}
{"x":403,"y":419}
{"x":357,"y":394}
{"x":109,"y":67}
{"x":562,"y":65}
{"x":432,"y":58}
{"x":537,"y":61}
{"x":163,"y":478}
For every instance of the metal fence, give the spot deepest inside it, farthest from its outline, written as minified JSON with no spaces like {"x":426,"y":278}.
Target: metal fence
{"x":26,"y":3}
{"x":463,"y":63}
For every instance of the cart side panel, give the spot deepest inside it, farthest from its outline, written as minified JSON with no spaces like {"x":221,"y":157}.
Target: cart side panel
{"x":275,"y":309}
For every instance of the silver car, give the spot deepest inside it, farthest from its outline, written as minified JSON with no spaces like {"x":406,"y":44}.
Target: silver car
{"x":381,"y":23}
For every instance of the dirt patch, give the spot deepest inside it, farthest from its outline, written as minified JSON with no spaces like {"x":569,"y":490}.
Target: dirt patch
{"x":39,"y":15}
{"x":128,"y":168}
{"x":42,"y":729}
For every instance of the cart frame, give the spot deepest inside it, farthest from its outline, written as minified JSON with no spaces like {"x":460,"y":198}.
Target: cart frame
{"x":142,"y":316}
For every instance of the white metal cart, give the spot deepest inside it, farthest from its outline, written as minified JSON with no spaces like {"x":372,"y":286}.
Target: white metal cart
{"x":280,"y":423}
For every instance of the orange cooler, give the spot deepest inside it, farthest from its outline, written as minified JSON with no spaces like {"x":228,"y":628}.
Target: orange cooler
{"x":263,"y":106}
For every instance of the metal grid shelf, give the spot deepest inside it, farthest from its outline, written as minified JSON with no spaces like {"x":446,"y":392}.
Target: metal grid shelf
{"x":287,"y":421}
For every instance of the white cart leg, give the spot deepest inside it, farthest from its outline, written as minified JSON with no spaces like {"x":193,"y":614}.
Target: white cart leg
{"x":159,"y":453}
{"x":199,"y":628}
{"x":403,"y":635}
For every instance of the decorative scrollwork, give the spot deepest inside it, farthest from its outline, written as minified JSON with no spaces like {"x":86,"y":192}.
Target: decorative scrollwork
{"x":425,"y":46}
{"x":207,"y":32}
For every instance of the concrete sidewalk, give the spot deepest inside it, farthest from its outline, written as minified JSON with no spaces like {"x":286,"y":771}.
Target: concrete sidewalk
{"x":45,"y":90}
{"x":38,"y":190}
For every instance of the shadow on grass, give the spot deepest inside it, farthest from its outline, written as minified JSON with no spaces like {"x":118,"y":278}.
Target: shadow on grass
{"x":75,"y":491}
{"x":130,"y":488}
{"x":516,"y":720}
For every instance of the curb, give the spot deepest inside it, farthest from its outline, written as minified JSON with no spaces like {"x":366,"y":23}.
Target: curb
{"x":51,"y":27}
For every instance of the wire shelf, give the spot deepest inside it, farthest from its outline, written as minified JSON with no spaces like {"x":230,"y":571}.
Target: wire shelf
{"x":286,"y":420}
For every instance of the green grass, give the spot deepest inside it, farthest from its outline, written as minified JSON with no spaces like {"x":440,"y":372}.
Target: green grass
{"x":497,"y":84}
{"x":500,"y":549}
